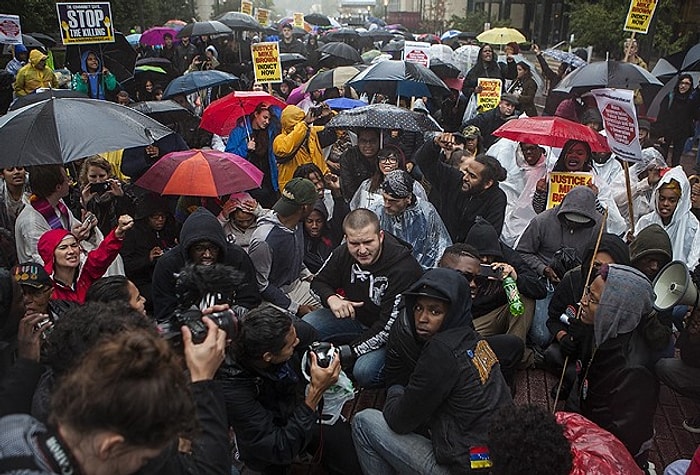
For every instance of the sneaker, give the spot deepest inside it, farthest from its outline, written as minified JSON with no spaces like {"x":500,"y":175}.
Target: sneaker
{"x":692,"y":424}
{"x":651,"y":469}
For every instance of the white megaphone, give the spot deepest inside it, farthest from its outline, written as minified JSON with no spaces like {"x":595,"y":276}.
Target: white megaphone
{"x":674,"y":286}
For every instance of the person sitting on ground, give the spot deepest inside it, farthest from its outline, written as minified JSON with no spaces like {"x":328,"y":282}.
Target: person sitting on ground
{"x":442,"y":376}
{"x":359,"y":162}
{"x":117,"y":289}
{"x":319,"y":241}
{"x":329,"y":194}
{"x":489,"y":121}
{"x":358,"y":285}
{"x":239,"y":217}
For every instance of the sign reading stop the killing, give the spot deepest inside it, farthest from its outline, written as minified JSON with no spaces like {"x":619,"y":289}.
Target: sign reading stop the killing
{"x":85,"y":22}
{"x":620,"y":122}
{"x":417,"y":52}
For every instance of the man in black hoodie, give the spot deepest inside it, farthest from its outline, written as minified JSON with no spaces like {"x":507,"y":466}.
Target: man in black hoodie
{"x":466,"y":193}
{"x":442,"y":376}
{"x":358,"y":284}
{"x":202,"y":241}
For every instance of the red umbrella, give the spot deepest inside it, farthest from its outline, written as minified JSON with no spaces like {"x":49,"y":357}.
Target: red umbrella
{"x":201,"y":173}
{"x":551,"y":131}
{"x":222,"y":115}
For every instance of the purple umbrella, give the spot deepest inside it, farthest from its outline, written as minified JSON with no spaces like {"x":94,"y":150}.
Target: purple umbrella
{"x":297,"y":95}
{"x":154,"y":36}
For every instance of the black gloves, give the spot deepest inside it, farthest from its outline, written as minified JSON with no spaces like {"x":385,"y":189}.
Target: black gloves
{"x":568,"y":345}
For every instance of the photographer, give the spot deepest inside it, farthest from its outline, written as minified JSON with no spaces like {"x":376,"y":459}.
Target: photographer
{"x":273,"y":423}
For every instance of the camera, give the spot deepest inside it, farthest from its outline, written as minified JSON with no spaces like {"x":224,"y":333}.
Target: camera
{"x":316,"y":111}
{"x":227,"y":320}
{"x":488,"y":272}
{"x":325,"y":353}
{"x":100,"y":188}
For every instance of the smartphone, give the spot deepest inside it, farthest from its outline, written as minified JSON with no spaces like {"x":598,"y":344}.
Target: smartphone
{"x":99,"y":188}
{"x":489,"y":272}
{"x":89,"y":218}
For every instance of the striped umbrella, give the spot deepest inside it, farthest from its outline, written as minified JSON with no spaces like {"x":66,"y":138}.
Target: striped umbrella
{"x":201,"y":173}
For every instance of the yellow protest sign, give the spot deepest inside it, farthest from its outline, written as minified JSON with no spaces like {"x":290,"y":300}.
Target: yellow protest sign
{"x":247,"y":7}
{"x":266,"y":62}
{"x":490,"y":94}
{"x":263,"y":16}
{"x":561,"y":182}
{"x":639,"y":15}
{"x":299,"y":20}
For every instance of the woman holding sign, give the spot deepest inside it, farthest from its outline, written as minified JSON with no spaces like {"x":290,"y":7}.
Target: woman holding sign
{"x":524,"y":88}
{"x":487,"y":67}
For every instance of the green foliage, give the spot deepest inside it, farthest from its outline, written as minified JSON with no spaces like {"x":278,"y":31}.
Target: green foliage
{"x":599,"y":24}
{"x":666,"y":39}
{"x":474,"y":22}
{"x":35,"y":15}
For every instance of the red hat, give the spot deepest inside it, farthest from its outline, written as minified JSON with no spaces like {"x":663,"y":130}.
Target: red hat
{"x":48,"y":242}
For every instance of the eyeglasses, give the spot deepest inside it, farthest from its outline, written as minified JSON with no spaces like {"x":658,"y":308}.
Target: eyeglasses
{"x":589,"y":296}
{"x":390,"y":158}
{"x":202,"y":248}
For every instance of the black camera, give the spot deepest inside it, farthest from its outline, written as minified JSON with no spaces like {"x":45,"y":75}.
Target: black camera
{"x":100,"y":188}
{"x":325,"y":353}
{"x":227,"y":320}
{"x":316,"y":111}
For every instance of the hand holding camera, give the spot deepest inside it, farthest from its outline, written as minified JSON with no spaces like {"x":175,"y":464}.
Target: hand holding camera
{"x":204,"y":359}
{"x":323,"y":370}
{"x":31,"y":330}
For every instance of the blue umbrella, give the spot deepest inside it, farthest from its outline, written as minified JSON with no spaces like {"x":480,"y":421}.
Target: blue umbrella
{"x":344,"y":103}
{"x":399,"y":78}
{"x":197,"y":80}
{"x":565,"y":57}
{"x":133,"y":39}
{"x":449,"y":34}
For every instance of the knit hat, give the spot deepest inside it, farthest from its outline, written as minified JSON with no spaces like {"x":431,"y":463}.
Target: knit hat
{"x":427,"y":291}
{"x":484,"y":238}
{"x":31,"y":274}
{"x":48,"y":242}
{"x":398,"y":184}
{"x":297,"y":193}
{"x":651,"y":240}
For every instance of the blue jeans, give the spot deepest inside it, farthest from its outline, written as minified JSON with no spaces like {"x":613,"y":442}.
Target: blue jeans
{"x":381,"y":450}
{"x":679,"y":467}
{"x":368,"y":371}
{"x":539,"y":333}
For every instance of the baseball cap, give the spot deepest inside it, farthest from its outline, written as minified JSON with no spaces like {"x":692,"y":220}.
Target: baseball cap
{"x":32,"y":275}
{"x":427,"y":291}
{"x":471,"y":132}
{"x":297,"y":193}
{"x":286,"y":25}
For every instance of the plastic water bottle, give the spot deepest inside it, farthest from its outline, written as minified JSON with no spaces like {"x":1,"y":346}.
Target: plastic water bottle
{"x":514,"y":303}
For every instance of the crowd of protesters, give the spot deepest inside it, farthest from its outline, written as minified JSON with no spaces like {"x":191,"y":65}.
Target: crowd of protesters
{"x":169,"y":334}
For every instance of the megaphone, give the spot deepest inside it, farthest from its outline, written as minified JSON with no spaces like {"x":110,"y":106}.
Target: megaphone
{"x":674,"y":286}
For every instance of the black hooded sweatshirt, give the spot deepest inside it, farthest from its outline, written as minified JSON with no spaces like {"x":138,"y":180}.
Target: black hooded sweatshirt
{"x":201,"y":225}
{"x":451,"y":384}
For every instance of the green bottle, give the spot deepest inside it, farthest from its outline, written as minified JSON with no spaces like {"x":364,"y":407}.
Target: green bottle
{"x":514,"y":303}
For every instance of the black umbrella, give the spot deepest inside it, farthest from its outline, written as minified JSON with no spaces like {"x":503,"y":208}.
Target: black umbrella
{"x":46,"y":40}
{"x":342,"y":34}
{"x":239,"y":21}
{"x":378,"y":34}
{"x":166,"y":112}
{"x":341,"y":51}
{"x":197,"y":80}
{"x":42,"y":96}
{"x":383,"y":116}
{"x":317,"y":19}
{"x":31,"y":42}
{"x":335,"y":77}
{"x":443,"y":69}
{"x":394,"y":46}
{"x":291,"y":59}
{"x":59,"y":130}
{"x":119,"y":57}
{"x":612,"y":74}
{"x":200,"y":28}
{"x":399,"y":78}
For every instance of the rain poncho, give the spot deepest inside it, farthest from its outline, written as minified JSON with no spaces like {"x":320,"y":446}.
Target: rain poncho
{"x":420,"y":226}
{"x":683,"y":227}
{"x":29,"y":78}
{"x":364,"y":198}
{"x":642,"y":191}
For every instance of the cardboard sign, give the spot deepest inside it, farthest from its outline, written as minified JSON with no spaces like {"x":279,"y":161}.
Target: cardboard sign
{"x":490,"y":94}
{"x":639,"y":15}
{"x":263,"y":16}
{"x":298,"y":20}
{"x":561,"y":182}
{"x":616,"y":106}
{"x":417,"y":52}
{"x":247,"y":7}
{"x":266,"y":62}
{"x":83,"y":23}
{"x":10,"y":30}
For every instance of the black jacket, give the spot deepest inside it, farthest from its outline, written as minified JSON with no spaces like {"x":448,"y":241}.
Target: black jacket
{"x":137,"y":248}
{"x":458,"y":209}
{"x":493,"y":69}
{"x":199,"y":226}
{"x":488,"y":122}
{"x":376,"y":285}
{"x":354,"y":169}
{"x":451,"y":384}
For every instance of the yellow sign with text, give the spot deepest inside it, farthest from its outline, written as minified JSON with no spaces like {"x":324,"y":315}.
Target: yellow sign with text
{"x":247,"y":7}
{"x":263,"y":16}
{"x":266,"y":62}
{"x":490,"y":94}
{"x":560,"y":183}
{"x":299,"y":20}
{"x":639,"y":15}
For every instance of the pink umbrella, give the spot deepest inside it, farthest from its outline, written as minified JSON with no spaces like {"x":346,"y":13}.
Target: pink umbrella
{"x":154,"y":36}
{"x":297,"y":95}
{"x":201,"y":173}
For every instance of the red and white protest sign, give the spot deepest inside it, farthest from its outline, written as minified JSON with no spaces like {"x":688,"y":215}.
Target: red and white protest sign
{"x":417,"y":52}
{"x":620,"y":122}
{"x":10,"y":30}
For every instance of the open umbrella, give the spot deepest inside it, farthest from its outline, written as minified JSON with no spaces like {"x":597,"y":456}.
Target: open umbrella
{"x":200,"y":28}
{"x":444,"y":69}
{"x":42,"y":96}
{"x":31,"y":42}
{"x":196,"y":81}
{"x":379,"y":34}
{"x":166,"y":112}
{"x":291,"y":59}
{"x":159,"y":62}
{"x":465,"y":57}
{"x":612,"y":74}
{"x":399,"y":78}
{"x":341,"y":51}
{"x":344,"y":103}
{"x":239,"y":21}
{"x":501,"y":36}
{"x":222,"y":115}
{"x":318,"y":19}
{"x":175,"y":24}
{"x":565,"y":57}
{"x":441,"y":52}
{"x":45,"y":39}
{"x":368,"y":56}
{"x":550,"y":131}
{"x":449,"y":34}
{"x":119,"y":57}
{"x":394,"y":46}
{"x":429,"y":38}
{"x":133,"y":39}
{"x":332,"y":78}
{"x":383,"y":116}
{"x":342,"y":34}
{"x":59,"y":130}
{"x":155,"y":36}
{"x":195,"y":172}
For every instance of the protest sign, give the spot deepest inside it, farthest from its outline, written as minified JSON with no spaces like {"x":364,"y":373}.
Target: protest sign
{"x":298,"y":20}
{"x":263,"y":16}
{"x":10,"y":30}
{"x":616,"y":106}
{"x":560,"y":183}
{"x":83,"y":23}
{"x":417,"y":52}
{"x":490,"y":94}
{"x":639,"y":15}
{"x":266,"y":62}
{"x":247,"y":7}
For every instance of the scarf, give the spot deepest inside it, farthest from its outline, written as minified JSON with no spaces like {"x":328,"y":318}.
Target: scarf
{"x":43,"y":206}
